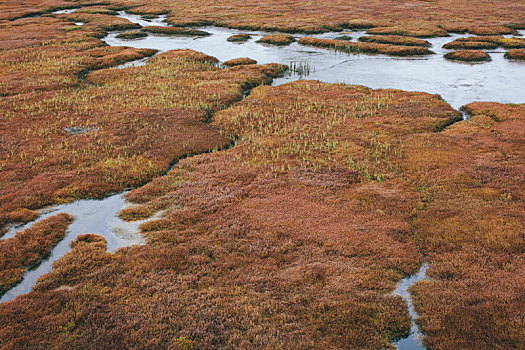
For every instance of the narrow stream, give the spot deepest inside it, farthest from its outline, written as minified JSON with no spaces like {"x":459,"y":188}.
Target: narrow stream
{"x":414,"y":340}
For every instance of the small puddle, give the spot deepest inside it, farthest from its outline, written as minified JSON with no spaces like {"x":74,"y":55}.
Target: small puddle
{"x":91,"y":216}
{"x":414,"y":340}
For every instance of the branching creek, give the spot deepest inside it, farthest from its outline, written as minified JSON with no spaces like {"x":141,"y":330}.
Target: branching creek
{"x":499,"y":80}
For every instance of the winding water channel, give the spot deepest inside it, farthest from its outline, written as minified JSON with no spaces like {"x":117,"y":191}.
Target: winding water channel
{"x":499,"y":80}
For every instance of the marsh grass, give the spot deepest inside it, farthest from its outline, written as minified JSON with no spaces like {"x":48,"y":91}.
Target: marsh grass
{"x":468,"y":56}
{"x":365,"y":47}
{"x":28,"y":247}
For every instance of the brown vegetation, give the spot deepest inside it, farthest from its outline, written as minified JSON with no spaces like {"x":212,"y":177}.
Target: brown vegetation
{"x":174,"y":31}
{"x":300,"y":16}
{"x":239,"y":62}
{"x":299,"y":231}
{"x":304,"y":226}
{"x":238,"y":38}
{"x":45,"y":54}
{"x":28,"y":247}
{"x":41,"y":163}
{"x":472,"y":227}
{"x":365,"y":47}
{"x":277,"y":39}
{"x":508,"y":43}
{"x":88,"y":254}
{"x":418,"y":32}
{"x":132,"y":35}
{"x":468,"y":56}
{"x":515,"y":54}
{"x":491,"y":30}
{"x":513,"y":43}
{"x":470,"y":45}
{"x":313,"y":17}
{"x":292,"y":238}
{"x":395,"y":40}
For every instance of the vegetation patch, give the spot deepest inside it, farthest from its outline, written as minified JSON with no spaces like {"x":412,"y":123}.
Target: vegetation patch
{"x":515,"y":54}
{"x":366,"y":47}
{"x":418,"y":32}
{"x":174,"y":31}
{"x":395,"y":40}
{"x":134,"y":115}
{"x":513,"y":43}
{"x":97,"y":10}
{"x":476,"y":249}
{"x":491,"y":30}
{"x":468,"y":56}
{"x":132,"y":35}
{"x":239,"y":62}
{"x":88,"y":254}
{"x":277,"y":39}
{"x":239,"y":38}
{"x":28,"y":247}
{"x":470,"y":45}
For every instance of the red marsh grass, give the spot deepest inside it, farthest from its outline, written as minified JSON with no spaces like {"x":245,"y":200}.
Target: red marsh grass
{"x":277,"y":39}
{"x":476,"y":248}
{"x":43,"y":54}
{"x":329,"y":197}
{"x":508,"y":43}
{"x":28,"y":247}
{"x":470,"y":45}
{"x":395,"y":40}
{"x":491,"y":30}
{"x":418,"y":32}
{"x":468,"y":56}
{"x":239,"y":62}
{"x":513,"y":43}
{"x":301,"y":222}
{"x":321,"y":16}
{"x":294,"y":237}
{"x":298,"y":16}
{"x":365,"y":47}
{"x":174,"y":31}
{"x":131,"y":114}
{"x":88,"y":253}
{"x":132,"y":35}
{"x":515,"y":54}
{"x":239,"y":38}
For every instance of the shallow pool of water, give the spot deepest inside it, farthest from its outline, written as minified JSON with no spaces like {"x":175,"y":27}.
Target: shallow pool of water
{"x":91,"y":216}
{"x":458,"y":83}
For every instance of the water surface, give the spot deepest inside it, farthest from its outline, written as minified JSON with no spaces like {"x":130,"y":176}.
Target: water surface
{"x":500,"y":80}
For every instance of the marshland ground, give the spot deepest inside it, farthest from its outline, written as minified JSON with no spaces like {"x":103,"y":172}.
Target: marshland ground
{"x":275,"y":216}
